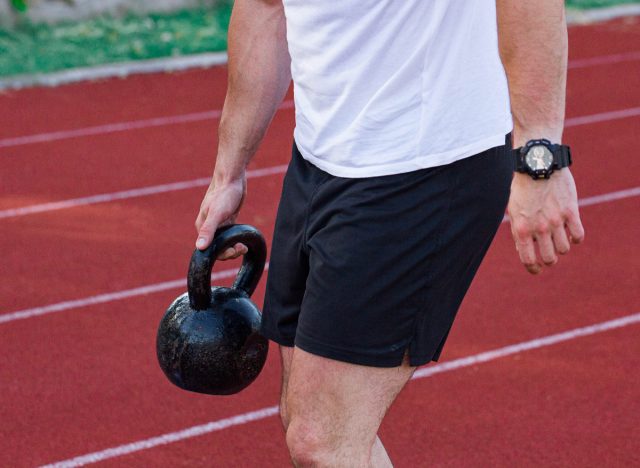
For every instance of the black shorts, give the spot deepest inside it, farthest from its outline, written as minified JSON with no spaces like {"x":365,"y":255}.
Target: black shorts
{"x":363,"y":270}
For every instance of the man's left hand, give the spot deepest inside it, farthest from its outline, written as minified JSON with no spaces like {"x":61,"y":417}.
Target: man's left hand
{"x":544,"y":218}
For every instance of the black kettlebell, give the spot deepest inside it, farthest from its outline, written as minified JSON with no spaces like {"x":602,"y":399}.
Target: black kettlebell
{"x":208,"y":340}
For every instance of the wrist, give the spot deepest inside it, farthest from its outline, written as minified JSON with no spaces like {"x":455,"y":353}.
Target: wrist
{"x":223,"y":175}
{"x":522,"y":135}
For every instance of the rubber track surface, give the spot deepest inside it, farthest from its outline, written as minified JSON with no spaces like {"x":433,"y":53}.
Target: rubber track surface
{"x":86,"y":379}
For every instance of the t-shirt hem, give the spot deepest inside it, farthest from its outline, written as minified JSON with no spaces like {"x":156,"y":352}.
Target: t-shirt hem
{"x":415,"y":164}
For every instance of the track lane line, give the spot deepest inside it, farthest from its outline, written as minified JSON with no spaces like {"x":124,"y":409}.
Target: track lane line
{"x":273,"y":170}
{"x":109,"y":297}
{"x":127,"y":194}
{"x":602,"y":117}
{"x":163,"y":286}
{"x":609,"y":197}
{"x":118,"y":127}
{"x":109,"y":128}
{"x":425,"y":372}
{"x":604,"y":60}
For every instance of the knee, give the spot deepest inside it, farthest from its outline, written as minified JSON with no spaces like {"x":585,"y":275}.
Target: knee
{"x":308,"y":444}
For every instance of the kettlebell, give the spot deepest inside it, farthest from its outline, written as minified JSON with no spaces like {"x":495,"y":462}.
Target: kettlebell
{"x":208,"y":340}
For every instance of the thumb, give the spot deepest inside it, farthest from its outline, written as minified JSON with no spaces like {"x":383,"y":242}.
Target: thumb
{"x":205,"y":235}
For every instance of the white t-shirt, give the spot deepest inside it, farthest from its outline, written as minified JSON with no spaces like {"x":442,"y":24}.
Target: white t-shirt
{"x":389,"y":86}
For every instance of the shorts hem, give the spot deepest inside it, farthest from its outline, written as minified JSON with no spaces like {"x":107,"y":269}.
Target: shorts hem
{"x":277,"y":338}
{"x":345,"y":355}
{"x":321,"y":349}
{"x":417,"y":361}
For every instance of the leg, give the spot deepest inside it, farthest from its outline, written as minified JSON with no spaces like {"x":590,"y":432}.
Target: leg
{"x":286,"y":355}
{"x":379,"y":456}
{"x":334,"y":409}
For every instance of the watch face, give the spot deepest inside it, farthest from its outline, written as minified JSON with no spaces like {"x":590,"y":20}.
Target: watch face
{"x":539,"y":158}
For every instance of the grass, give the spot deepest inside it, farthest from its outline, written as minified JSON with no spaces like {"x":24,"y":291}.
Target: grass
{"x":37,"y":48}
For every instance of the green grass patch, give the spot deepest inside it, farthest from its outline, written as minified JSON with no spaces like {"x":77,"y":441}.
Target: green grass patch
{"x":38,"y":48}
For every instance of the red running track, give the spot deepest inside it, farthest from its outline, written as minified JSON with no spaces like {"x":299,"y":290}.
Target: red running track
{"x":85,"y":379}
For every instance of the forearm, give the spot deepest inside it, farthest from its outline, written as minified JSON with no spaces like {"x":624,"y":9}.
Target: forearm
{"x":533,"y":48}
{"x":259,"y":76}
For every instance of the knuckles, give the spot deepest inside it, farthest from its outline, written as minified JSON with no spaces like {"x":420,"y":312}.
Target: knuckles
{"x":542,"y":228}
{"x":568,"y":213}
{"x":521,"y":231}
{"x":555,"y":221}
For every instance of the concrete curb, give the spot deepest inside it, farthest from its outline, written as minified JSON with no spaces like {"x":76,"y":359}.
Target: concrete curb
{"x":123,"y":69}
{"x":601,"y":14}
{"x":115,"y":70}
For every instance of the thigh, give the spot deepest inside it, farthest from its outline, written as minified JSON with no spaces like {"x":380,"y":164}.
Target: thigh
{"x":286,"y":356}
{"x":340,"y":402}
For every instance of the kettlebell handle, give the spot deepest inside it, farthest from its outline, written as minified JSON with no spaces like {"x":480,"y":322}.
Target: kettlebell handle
{"x":202,"y":261}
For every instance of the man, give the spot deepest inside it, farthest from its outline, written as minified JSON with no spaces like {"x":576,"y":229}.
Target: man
{"x":399,"y":180}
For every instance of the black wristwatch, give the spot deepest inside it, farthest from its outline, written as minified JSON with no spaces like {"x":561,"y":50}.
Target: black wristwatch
{"x":539,"y":158}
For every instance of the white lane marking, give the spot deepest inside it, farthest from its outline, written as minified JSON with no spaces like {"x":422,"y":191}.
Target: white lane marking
{"x":424,"y":372}
{"x":102,"y":298}
{"x":126,"y":194}
{"x":609,"y":197}
{"x":109,"y":128}
{"x":61,"y":306}
{"x":165,"y":439}
{"x":118,"y":127}
{"x":604,"y":60}
{"x":602,"y":117}
{"x":527,"y":346}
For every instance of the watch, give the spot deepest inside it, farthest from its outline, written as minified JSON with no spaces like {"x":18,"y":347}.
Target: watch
{"x":539,"y":158}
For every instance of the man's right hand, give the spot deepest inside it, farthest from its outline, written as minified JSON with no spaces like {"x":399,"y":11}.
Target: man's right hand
{"x":220,"y":207}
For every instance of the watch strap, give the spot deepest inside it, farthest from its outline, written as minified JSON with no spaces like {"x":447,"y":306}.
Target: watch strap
{"x":561,"y":156}
{"x":518,"y":159}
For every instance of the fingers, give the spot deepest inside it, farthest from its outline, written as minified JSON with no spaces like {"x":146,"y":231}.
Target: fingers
{"x":527,"y":252}
{"x":551,"y":239}
{"x":206,"y":231}
{"x":205,"y":236}
{"x":547,"y":249}
{"x":560,"y":240}
{"x":233,"y":252}
{"x":574,"y":225}
{"x":209,"y":220}
{"x":219,"y":207}
{"x":207,"y":226}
